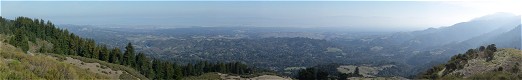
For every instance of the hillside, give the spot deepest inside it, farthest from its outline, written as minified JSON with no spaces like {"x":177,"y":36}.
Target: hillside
{"x":482,"y":63}
{"x":221,"y":76}
{"x":52,"y":66}
{"x":15,"y":64}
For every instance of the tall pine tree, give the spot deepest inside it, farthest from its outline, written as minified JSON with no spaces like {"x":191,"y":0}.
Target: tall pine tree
{"x":114,"y":56}
{"x":128,"y":56}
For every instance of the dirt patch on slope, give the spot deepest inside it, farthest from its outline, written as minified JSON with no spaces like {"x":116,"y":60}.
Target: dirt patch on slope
{"x":94,"y":67}
{"x":263,"y":77}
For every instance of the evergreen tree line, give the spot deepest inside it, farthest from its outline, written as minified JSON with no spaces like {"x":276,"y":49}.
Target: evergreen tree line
{"x":27,"y":30}
{"x":320,"y":74}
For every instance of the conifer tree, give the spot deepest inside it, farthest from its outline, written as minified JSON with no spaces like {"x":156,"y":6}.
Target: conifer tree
{"x":115,"y":55}
{"x":128,"y":55}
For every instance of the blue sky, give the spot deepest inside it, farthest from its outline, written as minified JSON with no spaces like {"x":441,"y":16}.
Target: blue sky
{"x":404,"y":15}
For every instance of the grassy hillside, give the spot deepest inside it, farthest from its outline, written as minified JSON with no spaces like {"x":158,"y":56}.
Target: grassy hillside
{"x":15,"y":64}
{"x":221,"y":76}
{"x":480,"y":64}
{"x":128,"y":73}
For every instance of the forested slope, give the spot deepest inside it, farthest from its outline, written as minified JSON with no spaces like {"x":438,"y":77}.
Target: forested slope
{"x":26,"y":31}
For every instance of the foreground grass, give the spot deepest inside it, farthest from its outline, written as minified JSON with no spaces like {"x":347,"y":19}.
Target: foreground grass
{"x":133,"y":73}
{"x":15,"y":64}
{"x":217,"y":76}
{"x":205,"y":76}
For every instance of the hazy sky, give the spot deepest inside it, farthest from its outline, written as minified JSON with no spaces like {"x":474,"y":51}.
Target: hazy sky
{"x":349,"y":14}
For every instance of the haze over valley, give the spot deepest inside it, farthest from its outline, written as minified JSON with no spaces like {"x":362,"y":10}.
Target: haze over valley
{"x":278,"y":40}
{"x":302,"y":47}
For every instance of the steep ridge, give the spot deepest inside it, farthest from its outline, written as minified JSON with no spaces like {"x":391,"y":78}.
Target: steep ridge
{"x":509,"y":39}
{"x":505,"y":33}
{"x":493,"y":24}
{"x":480,"y":63}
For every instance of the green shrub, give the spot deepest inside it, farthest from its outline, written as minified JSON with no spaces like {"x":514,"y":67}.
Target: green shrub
{"x":204,"y":76}
{"x":497,"y":75}
{"x":127,"y":77}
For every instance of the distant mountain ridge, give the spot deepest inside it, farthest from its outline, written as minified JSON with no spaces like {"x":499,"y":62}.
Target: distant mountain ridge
{"x":503,"y":31}
{"x":436,"y":37}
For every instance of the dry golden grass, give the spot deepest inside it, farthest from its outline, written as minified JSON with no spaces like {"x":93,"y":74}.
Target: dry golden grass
{"x":129,"y":73}
{"x":221,"y":76}
{"x":94,"y":67}
{"x":15,"y":64}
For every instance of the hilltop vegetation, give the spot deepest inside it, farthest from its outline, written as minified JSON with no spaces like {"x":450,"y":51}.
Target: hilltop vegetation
{"x":481,"y":63}
{"x":15,"y":64}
